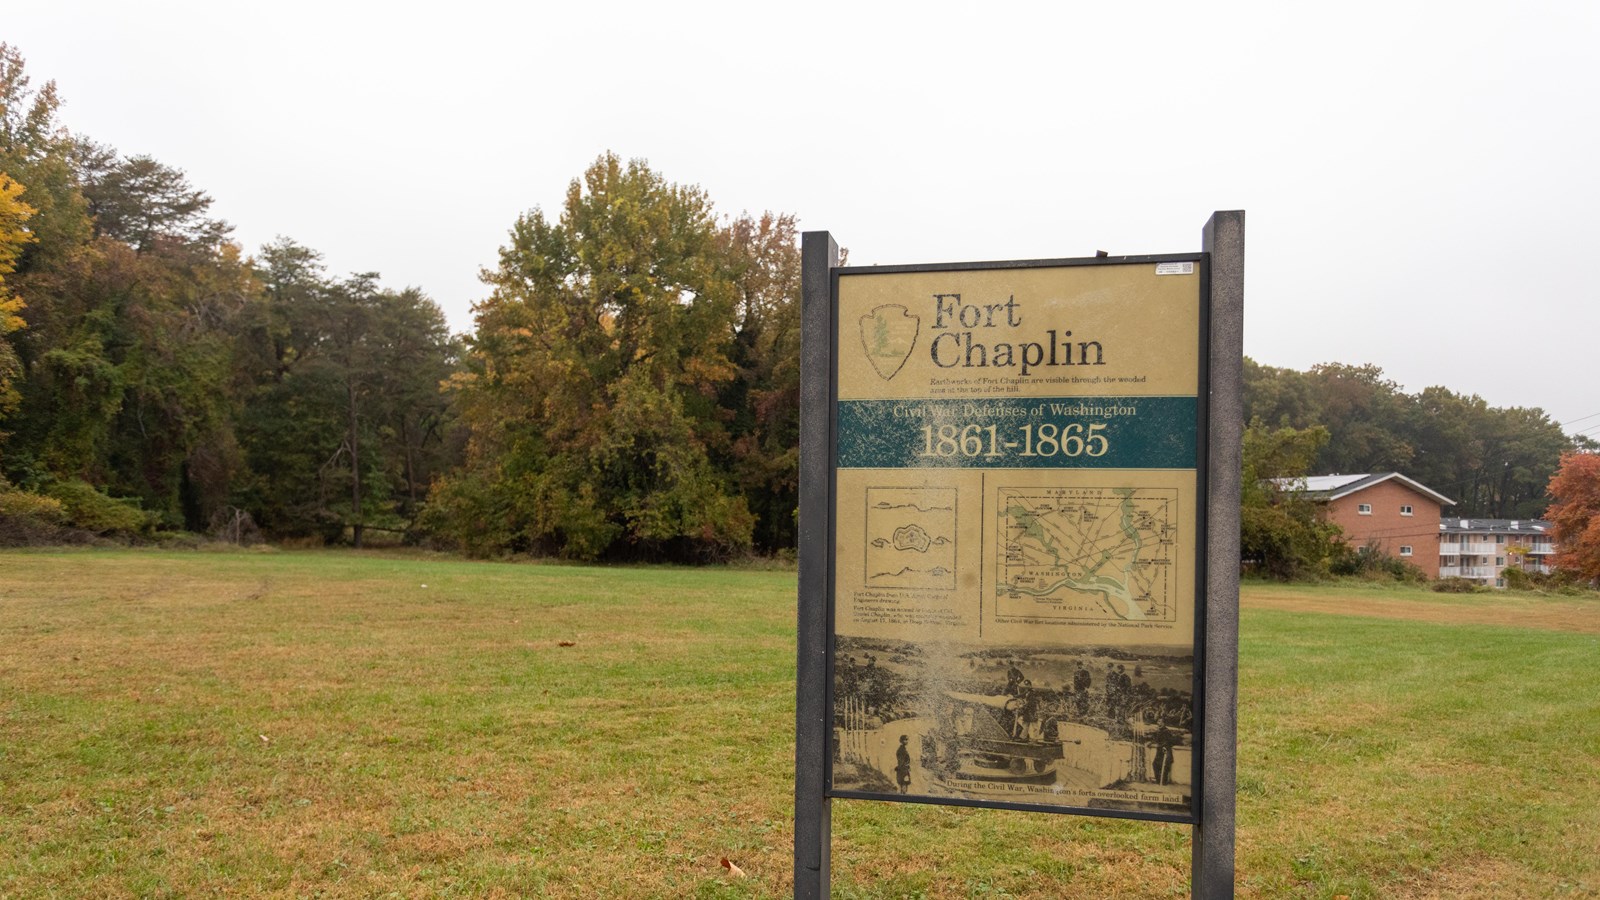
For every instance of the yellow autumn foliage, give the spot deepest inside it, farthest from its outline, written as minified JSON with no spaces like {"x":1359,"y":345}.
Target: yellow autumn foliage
{"x":14,"y":235}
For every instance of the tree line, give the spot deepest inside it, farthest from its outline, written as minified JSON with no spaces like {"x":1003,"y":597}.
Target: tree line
{"x":154,"y":378}
{"x":1495,"y":462}
{"x":629,"y":389}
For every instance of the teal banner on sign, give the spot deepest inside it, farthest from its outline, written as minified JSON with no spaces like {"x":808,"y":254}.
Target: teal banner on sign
{"x":1024,"y":433}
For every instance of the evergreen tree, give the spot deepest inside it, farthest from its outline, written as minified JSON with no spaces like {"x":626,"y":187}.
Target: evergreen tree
{"x":345,"y":426}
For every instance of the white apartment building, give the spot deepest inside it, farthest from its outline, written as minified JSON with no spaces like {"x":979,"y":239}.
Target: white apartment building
{"x":1482,"y":549}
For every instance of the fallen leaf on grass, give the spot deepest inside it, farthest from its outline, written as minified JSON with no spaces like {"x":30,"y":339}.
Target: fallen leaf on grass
{"x":733,"y":870}
{"x":566,"y":643}
{"x":264,"y":739}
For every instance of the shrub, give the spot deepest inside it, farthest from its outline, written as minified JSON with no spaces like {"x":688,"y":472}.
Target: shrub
{"x":1370,"y":562}
{"x":1560,"y":581}
{"x":27,"y":518}
{"x":92,"y":511}
{"x":1516,"y":579}
{"x":21,"y":504}
{"x":234,"y":525}
{"x":467,"y":515}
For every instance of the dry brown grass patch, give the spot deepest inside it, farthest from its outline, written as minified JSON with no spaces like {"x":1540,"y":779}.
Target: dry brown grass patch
{"x":1512,"y":611}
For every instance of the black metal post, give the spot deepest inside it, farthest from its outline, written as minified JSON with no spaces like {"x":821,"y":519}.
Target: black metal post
{"x":819,"y":254}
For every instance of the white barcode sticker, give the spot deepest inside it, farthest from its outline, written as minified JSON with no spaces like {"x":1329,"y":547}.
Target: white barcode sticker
{"x":1183,"y":268}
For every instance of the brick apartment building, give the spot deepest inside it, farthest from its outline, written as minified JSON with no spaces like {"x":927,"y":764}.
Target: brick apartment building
{"x":1387,"y":511}
{"x":1481,"y":550}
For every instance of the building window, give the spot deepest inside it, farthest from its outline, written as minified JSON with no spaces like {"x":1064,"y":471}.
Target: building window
{"x":1364,"y":509}
{"x":1405,"y":549}
{"x":1405,"y":510}
{"x":1500,"y":561}
{"x":1499,"y":539}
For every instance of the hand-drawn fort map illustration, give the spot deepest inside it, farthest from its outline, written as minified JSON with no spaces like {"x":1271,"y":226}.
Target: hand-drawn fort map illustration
{"x":911,"y":538}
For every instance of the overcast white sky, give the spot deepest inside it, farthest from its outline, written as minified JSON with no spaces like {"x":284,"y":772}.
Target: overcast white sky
{"x":1420,"y":179}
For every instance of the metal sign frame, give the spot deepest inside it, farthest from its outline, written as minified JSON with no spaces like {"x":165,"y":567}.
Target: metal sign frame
{"x":1198,"y":447}
{"x":1216,"y":472}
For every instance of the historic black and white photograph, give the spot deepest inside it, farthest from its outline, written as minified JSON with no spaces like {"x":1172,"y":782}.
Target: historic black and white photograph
{"x":1092,"y":727}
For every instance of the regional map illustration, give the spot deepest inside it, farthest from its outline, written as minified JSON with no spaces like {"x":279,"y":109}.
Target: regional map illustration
{"x":911,"y":538}
{"x":1086,"y":554}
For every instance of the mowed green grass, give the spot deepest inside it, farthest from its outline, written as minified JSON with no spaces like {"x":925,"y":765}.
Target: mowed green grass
{"x":340,"y":724}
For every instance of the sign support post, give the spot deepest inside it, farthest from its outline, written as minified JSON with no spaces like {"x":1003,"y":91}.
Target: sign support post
{"x":1212,"y":846}
{"x":812,"y":808}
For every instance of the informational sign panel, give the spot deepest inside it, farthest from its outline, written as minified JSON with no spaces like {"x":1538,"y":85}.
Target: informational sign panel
{"x":1017,"y":499}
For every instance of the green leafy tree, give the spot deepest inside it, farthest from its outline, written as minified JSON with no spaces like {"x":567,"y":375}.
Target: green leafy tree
{"x":764,"y":397}
{"x":292,"y":422}
{"x":1495,"y":462}
{"x":415,"y":420}
{"x":1280,"y":397}
{"x":36,"y":151}
{"x":595,"y":378}
{"x":46,"y":234}
{"x":127,"y":348}
{"x":1523,"y":449}
{"x":1448,"y":432}
{"x":1281,"y":532}
{"x":1362,"y":411}
{"x":73,"y":385}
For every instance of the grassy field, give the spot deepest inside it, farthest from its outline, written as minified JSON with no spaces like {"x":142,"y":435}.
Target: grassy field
{"x":336,"y":724}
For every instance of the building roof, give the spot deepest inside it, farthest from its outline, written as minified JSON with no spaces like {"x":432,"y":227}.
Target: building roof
{"x":1332,"y":487}
{"x":1494,"y":526}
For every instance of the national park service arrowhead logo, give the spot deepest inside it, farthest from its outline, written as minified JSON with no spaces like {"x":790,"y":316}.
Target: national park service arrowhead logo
{"x":889,"y":334}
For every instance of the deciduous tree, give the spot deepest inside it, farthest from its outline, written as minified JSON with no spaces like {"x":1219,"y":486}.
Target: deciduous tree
{"x":14,"y":235}
{"x":596,"y":371}
{"x":1280,"y":530}
{"x":1575,"y":488}
{"x":764,"y":397}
